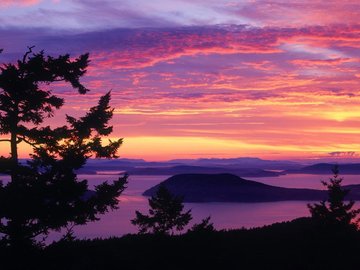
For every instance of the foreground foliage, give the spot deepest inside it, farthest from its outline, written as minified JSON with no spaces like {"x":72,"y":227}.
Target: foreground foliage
{"x":45,"y":194}
{"x":299,"y":244}
{"x":165,"y":214}
{"x":335,"y":211}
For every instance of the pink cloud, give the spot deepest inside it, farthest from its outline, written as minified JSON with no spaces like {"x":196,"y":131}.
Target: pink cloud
{"x":297,"y":13}
{"x":143,"y":48}
{"x":146,"y":48}
{"x":291,"y":88}
{"x":320,"y":62}
{"x":21,"y":3}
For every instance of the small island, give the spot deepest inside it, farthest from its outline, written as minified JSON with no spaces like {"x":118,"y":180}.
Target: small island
{"x":231,"y":188}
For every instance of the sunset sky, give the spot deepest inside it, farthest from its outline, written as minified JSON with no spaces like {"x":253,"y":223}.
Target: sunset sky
{"x":206,"y":78}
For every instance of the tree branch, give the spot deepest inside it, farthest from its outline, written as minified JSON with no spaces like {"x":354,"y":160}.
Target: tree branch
{"x":35,"y":145}
{"x":27,"y":53}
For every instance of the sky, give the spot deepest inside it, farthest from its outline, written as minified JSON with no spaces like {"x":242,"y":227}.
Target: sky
{"x":190,"y":79}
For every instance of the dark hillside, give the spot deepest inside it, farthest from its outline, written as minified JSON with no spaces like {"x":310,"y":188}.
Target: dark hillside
{"x":299,"y":244}
{"x":231,"y":188}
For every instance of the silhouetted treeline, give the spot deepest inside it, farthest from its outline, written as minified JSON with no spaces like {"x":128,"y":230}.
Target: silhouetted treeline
{"x":300,"y":244}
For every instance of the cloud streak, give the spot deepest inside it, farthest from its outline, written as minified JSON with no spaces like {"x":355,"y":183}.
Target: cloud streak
{"x":257,"y":86}
{"x":21,"y":3}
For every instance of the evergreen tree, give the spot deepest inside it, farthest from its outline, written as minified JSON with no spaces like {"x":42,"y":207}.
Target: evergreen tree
{"x":205,"y":226}
{"x":45,"y":194}
{"x":335,"y":211}
{"x":165,"y":214}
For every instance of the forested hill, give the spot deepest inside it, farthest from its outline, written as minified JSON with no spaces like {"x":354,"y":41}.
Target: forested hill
{"x":231,"y":188}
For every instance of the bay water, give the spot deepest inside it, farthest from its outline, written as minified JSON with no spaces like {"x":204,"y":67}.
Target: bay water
{"x":223,"y":215}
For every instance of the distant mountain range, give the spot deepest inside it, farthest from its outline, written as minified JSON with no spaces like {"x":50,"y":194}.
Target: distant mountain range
{"x":231,"y":188}
{"x":326,"y":168}
{"x":243,"y":167}
{"x":250,"y":172}
{"x":242,"y":162}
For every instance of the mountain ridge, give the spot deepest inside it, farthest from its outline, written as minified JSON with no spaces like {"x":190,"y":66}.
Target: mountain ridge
{"x":231,"y":188}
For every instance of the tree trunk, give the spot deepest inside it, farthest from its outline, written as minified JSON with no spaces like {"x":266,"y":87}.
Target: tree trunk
{"x":16,"y":233}
{"x":14,"y":151}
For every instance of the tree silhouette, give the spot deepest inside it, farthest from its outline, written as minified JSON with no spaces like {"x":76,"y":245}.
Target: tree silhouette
{"x":205,"y":226}
{"x":335,"y":211}
{"x":165,"y":214}
{"x":45,"y":194}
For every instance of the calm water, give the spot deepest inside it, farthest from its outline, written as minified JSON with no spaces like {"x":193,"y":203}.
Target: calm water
{"x":224,"y":215}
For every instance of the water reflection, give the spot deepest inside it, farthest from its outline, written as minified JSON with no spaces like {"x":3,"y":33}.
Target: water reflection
{"x":224,"y":215}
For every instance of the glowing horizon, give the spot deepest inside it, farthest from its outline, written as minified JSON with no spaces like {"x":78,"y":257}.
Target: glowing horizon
{"x":199,"y":78}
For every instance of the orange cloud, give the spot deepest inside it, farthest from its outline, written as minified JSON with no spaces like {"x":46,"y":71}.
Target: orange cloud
{"x":270,"y":92}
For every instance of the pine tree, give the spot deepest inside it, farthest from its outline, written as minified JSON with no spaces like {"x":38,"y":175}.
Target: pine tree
{"x":205,"y":226}
{"x":165,"y":214}
{"x":45,"y":194}
{"x":335,"y":211}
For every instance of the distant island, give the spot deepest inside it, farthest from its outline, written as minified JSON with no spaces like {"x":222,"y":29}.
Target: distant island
{"x":242,"y":167}
{"x":325,"y":168}
{"x":244,"y":172}
{"x":231,"y":188}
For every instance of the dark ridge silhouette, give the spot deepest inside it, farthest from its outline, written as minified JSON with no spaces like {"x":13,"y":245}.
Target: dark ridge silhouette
{"x":325,"y":168}
{"x":231,"y":188}
{"x":241,"y":162}
{"x":244,"y":167}
{"x":245,"y":172}
{"x":298,"y":244}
